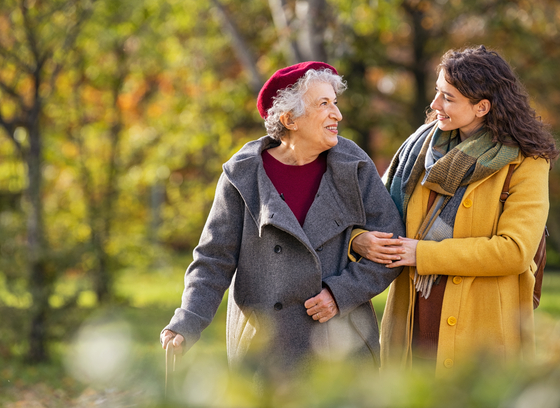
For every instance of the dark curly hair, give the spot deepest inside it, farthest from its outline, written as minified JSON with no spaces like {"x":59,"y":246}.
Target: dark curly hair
{"x":480,"y":74}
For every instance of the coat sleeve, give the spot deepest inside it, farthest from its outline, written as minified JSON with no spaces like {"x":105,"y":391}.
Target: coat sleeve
{"x":360,"y":281}
{"x":510,"y":250}
{"x":214,"y":264}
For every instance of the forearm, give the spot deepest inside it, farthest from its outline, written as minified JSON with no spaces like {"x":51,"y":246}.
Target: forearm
{"x":214,"y":264}
{"x":359,"y":283}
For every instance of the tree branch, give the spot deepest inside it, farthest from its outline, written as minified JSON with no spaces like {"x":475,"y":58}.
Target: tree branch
{"x":69,"y":42}
{"x":13,"y":93}
{"x":10,"y":127}
{"x":29,"y":34}
{"x":283,"y":24}
{"x":240,"y":47}
{"x":8,"y":55}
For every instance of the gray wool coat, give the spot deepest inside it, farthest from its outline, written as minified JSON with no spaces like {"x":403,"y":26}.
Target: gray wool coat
{"x":253,"y":244}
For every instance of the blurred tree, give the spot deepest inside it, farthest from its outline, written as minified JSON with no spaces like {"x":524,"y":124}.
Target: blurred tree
{"x":36,"y":37}
{"x":103,"y":70}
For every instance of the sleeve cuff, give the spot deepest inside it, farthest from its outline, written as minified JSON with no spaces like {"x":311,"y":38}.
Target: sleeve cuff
{"x":354,"y":257}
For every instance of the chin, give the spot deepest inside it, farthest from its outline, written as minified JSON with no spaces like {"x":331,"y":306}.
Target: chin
{"x":333,"y":142}
{"x":445,"y":126}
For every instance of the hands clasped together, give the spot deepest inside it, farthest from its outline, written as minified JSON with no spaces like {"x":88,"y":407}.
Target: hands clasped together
{"x":381,"y":248}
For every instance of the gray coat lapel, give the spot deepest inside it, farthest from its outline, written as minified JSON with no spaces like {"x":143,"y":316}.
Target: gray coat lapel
{"x":330,"y":213}
{"x":263,"y":203}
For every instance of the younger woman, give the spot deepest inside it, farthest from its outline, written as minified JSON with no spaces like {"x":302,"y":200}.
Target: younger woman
{"x":468,"y":283}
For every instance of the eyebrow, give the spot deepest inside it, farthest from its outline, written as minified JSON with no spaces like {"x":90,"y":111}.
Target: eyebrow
{"x":326,"y":98}
{"x":445,"y":93}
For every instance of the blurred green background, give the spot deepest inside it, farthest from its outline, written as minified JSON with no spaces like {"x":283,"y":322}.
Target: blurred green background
{"x":115,"y":118}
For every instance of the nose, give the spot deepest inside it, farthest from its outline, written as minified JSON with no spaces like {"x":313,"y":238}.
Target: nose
{"x":436,"y":103}
{"x":335,"y":114}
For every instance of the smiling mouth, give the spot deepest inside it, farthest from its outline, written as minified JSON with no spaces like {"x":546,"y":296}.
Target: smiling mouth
{"x":333,"y":128}
{"x":441,"y":116}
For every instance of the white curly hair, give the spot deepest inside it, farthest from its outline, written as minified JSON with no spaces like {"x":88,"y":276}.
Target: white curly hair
{"x":291,"y":99}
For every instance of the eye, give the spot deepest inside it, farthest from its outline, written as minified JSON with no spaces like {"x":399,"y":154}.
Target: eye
{"x":445,"y":98}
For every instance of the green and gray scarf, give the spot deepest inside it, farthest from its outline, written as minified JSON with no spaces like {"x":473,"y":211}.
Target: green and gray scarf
{"x":450,"y":166}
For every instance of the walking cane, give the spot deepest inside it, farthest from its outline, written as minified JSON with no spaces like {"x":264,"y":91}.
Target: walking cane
{"x":169,"y":363}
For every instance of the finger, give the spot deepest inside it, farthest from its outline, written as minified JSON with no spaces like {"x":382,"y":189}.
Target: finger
{"x":389,"y":242}
{"x":311,"y":302}
{"x":318,"y":310}
{"x":321,"y":309}
{"x":384,"y":259}
{"x":325,"y":319}
{"x":166,"y":337}
{"x":317,"y":300}
{"x":392,"y":257}
{"x":396,"y":264}
{"x":393,"y":249}
{"x":328,"y":316}
{"x":327,"y":309}
{"x":380,"y":261}
{"x":380,"y":234}
{"x":177,"y":340}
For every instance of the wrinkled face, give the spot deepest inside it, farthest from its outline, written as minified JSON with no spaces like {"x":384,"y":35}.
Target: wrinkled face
{"x":318,"y":127}
{"x":455,"y":111}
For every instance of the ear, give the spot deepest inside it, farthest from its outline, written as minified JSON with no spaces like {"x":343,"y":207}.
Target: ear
{"x":483,"y":107}
{"x":287,"y":120}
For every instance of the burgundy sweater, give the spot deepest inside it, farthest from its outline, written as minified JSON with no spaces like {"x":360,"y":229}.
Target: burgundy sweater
{"x":297,"y":185}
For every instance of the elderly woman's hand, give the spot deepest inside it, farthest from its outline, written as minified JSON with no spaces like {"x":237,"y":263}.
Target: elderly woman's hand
{"x":322,"y":307}
{"x":175,"y":339}
{"x":378,"y":247}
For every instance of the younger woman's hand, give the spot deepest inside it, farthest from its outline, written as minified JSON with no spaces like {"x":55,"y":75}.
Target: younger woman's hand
{"x":408,"y":257}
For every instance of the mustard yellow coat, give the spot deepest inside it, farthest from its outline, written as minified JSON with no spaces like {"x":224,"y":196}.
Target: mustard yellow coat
{"x":488,"y":302}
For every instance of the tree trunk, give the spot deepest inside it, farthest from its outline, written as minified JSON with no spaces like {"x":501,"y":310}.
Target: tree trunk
{"x":283,"y":22}
{"x":420,"y":65}
{"x":40,"y":283}
{"x":317,"y":20}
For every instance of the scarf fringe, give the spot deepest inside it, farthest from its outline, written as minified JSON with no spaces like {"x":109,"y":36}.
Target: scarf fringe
{"x":424,"y":283}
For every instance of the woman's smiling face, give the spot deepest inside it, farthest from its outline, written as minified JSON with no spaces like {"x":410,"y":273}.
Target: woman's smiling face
{"x":455,"y":111}
{"x":319,"y":125}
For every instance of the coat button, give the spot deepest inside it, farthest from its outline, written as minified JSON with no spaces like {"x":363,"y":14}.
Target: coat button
{"x":452,"y":320}
{"x":278,"y":306}
{"x":448,"y":363}
{"x":457,"y":280}
{"x":277,"y":249}
{"x":467,"y":203}
{"x":320,"y":248}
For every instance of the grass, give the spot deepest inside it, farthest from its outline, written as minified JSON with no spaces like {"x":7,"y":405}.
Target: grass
{"x":126,"y":366}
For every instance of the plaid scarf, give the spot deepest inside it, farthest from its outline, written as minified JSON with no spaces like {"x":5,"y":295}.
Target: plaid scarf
{"x":450,"y":166}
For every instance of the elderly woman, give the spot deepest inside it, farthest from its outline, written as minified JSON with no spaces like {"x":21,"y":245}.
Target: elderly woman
{"x":277,"y":234}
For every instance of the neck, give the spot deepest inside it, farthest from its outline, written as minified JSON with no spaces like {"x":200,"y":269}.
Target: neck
{"x":294,"y":154}
{"x":464,"y":136}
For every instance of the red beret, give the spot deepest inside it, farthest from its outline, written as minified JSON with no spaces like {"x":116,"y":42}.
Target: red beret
{"x":282,"y":79}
